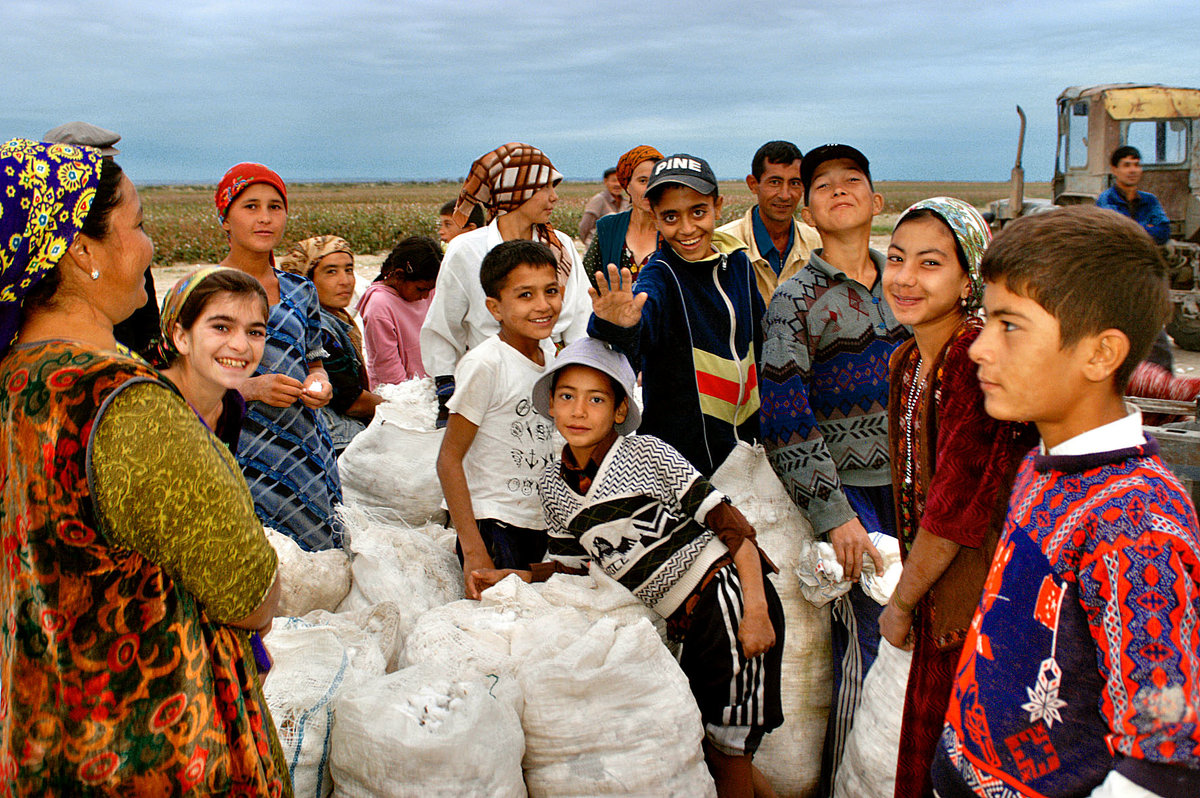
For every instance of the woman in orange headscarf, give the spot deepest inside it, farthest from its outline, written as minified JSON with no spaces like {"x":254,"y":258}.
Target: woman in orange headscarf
{"x":629,"y":238}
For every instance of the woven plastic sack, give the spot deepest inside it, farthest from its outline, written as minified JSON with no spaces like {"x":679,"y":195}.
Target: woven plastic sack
{"x":598,"y":596}
{"x":475,"y":637}
{"x":311,"y":666}
{"x":790,"y":756}
{"x":610,"y":714}
{"x":310,"y":580}
{"x":873,"y":746}
{"x":418,"y":733}
{"x":365,"y":632}
{"x":390,"y":468}
{"x":408,"y":566}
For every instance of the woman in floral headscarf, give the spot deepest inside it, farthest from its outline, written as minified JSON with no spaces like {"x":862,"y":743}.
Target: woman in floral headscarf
{"x":952,"y":464}
{"x":285,"y":450}
{"x":328,"y":262}
{"x":629,"y":238}
{"x":127,"y":591}
{"x":515,"y":183}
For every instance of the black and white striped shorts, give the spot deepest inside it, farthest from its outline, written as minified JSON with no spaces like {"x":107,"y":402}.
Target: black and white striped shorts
{"x":739,"y":699}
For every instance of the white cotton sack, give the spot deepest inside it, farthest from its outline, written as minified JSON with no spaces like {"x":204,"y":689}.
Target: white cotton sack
{"x":873,"y":746}
{"x":390,"y":467}
{"x":790,"y":756}
{"x":419,"y":733}
{"x":365,"y":632}
{"x":476,"y":637}
{"x":407,"y":566}
{"x":365,"y":657}
{"x":309,"y":580}
{"x":311,"y":666}
{"x":610,"y":713}
{"x":598,"y":595}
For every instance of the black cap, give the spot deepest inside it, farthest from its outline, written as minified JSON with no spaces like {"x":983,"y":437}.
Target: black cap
{"x":830,"y":152}
{"x":684,"y":170}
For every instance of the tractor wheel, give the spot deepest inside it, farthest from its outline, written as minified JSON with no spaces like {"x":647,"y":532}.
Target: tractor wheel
{"x":1185,"y":330}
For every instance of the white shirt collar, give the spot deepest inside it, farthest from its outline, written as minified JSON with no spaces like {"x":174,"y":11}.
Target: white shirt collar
{"x":1124,"y":433}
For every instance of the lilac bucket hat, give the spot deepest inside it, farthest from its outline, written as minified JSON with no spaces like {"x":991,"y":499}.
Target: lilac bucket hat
{"x":600,"y":356}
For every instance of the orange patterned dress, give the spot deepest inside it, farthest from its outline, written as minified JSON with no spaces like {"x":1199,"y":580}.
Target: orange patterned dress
{"x":116,"y":677}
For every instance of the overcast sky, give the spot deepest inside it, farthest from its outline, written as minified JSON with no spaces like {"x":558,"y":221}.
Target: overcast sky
{"x":409,"y":89}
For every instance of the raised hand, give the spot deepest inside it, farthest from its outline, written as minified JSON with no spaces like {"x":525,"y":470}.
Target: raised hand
{"x":613,"y":299}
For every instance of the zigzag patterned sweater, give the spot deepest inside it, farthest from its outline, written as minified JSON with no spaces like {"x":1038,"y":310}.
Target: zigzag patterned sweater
{"x":1084,"y":653}
{"x":642,"y":521}
{"x":824,"y":385}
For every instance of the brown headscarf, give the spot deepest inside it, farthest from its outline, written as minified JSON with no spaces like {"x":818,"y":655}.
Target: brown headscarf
{"x":305,"y":255}
{"x":302,"y":257}
{"x":632,"y":159}
{"x":502,"y":180}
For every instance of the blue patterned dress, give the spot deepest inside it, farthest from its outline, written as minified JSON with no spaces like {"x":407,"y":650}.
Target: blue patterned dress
{"x":285,"y":453}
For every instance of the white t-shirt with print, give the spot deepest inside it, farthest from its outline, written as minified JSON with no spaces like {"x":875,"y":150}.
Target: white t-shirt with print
{"x":493,"y":387}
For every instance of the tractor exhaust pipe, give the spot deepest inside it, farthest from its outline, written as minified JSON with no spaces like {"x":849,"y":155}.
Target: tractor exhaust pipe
{"x":1016,"y":197}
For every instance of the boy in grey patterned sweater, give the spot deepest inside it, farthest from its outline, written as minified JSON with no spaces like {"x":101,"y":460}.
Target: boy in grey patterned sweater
{"x":829,"y":337}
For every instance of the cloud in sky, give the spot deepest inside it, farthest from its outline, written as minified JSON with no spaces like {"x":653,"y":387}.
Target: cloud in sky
{"x":364,"y":89}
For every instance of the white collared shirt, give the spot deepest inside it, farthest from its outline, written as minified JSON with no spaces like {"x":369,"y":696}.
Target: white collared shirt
{"x":1124,"y":433}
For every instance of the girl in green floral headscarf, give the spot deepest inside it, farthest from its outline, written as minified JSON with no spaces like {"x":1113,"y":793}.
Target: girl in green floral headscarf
{"x":952,"y":465}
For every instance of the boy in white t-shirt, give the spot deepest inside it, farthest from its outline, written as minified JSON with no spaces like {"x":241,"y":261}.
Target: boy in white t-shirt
{"x":496,"y":445}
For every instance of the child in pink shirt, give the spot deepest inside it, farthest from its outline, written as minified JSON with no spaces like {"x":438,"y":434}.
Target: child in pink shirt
{"x":392,"y":310}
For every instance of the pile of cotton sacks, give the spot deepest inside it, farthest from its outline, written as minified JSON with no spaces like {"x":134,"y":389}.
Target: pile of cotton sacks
{"x":387,"y":682}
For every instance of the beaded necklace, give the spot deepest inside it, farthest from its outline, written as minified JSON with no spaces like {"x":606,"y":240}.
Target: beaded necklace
{"x":915,"y":389}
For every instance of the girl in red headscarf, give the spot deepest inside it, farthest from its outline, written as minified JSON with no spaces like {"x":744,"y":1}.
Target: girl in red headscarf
{"x":285,"y":450}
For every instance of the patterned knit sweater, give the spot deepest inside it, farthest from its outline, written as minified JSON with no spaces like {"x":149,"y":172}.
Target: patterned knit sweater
{"x":642,"y":521}
{"x":1084,"y":654}
{"x":825,"y":387}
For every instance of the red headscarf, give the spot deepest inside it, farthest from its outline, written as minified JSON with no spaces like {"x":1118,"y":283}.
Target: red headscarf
{"x":630,"y":161}
{"x":238,"y":178}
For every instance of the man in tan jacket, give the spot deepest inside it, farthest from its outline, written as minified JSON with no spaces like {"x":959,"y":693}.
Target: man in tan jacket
{"x":779,"y":244}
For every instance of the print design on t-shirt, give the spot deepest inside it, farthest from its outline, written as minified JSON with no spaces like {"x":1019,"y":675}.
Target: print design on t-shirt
{"x":529,"y":431}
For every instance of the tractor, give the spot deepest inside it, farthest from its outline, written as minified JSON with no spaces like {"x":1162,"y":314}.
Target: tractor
{"x":1163,"y":122}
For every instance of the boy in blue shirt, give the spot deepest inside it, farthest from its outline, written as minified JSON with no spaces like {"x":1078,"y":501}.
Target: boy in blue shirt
{"x":1124,"y":198}
{"x":694,"y":330}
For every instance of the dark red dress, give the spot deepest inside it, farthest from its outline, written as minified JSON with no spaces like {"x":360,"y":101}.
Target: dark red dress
{"x":952,"y":469}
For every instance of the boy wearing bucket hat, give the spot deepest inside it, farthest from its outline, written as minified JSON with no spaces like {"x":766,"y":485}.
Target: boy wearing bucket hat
{"x":635,"y":507}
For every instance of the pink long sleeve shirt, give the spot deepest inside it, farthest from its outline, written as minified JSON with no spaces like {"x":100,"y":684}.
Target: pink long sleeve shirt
{"x":391,"y":335}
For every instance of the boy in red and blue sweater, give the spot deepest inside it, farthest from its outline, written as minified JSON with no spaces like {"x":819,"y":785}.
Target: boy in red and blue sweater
{"x":1081,"y":672}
